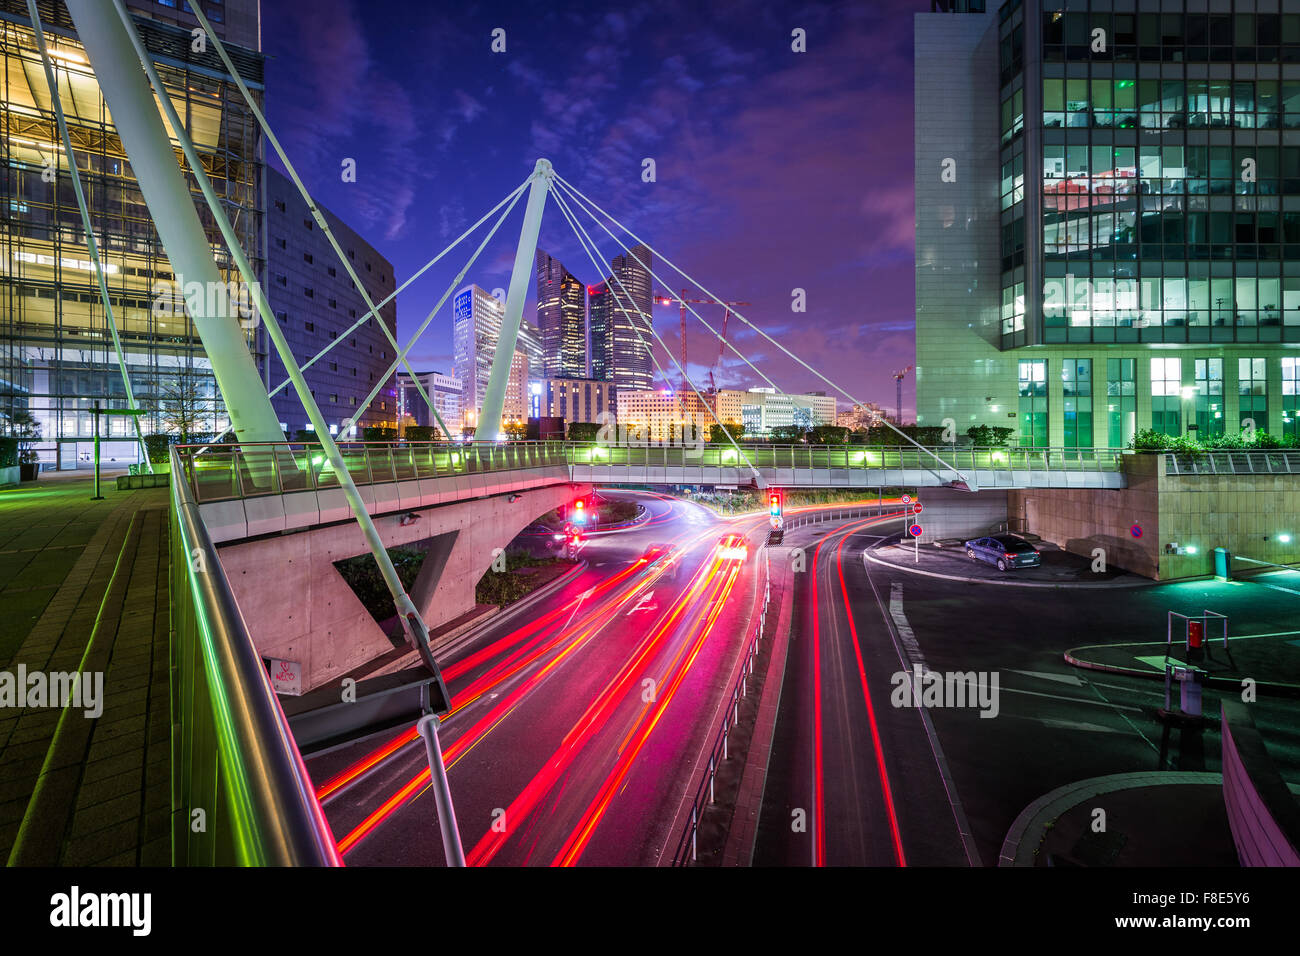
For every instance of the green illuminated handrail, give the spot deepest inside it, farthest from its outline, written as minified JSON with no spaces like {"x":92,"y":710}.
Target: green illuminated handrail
{"x":240,"y":793}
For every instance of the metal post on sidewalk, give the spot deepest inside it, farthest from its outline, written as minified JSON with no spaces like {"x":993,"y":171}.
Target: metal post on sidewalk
{"x":428,"y":727}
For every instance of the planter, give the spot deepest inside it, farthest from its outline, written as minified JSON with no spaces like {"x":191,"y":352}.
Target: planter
{"x":29,"y":471}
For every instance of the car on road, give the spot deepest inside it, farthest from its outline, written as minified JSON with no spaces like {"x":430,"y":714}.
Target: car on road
{"x":732,"y":547}
{"x":664,"y":553}
{"x":1005,"y":551}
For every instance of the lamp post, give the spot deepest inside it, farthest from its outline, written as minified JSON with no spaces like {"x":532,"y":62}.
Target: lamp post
{"x":96,"y":411}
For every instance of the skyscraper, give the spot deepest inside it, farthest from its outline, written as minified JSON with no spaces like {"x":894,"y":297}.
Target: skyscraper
{"x":600,"y":305}
{"x":1108,"y":219}
{"x":561,"y":320}
{"x":625,"y":296}
{"x":477,"y":316}
{"x":476,"y":326}
{"x":56,"y":354}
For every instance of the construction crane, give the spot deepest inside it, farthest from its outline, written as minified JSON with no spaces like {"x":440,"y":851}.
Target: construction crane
{"x":664,"y":298}
{"x":898,"y":395}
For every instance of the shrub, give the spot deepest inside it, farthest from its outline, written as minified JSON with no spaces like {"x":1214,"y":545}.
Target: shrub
{"x":421,"y":433}
{"x":8,"y":452}
{"x":378,"y":433}
{"x":989,"y":436}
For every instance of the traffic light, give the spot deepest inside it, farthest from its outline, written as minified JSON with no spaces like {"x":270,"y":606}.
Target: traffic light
{"x":774,"y":504}
{"x":580,"y":512}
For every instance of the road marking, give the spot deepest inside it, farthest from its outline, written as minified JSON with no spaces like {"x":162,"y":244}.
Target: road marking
{"x":912,"y":649}
{"x":643,"y":604}
{"x":936,"y":749}
{"x":1070,"y":700}
{"x":1044,"y":675}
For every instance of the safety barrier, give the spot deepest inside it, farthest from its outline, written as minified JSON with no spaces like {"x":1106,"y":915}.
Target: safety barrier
{"x":234,"y":762}
{"x":704,"y":794}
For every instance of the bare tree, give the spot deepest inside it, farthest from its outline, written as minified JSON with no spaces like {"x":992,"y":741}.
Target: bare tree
{"x":184,"y":406}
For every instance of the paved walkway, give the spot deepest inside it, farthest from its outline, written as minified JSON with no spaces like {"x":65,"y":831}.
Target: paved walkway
{"x":91,"y":581}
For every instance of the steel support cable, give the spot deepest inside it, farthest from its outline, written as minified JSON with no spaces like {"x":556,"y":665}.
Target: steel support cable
{"x":52,"y":79}
{"x":585,"y":202}
{"x":311,"y":203}
{"x":412,"y":622}
{"x":392,"y":295}
{"x":586,"y":240}
{"x":460,"y":277}
{"x":686,"y":305}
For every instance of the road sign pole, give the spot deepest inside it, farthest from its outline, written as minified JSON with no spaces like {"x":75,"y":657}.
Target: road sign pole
{"x":428,"y":727}
{"x":916,"y":550}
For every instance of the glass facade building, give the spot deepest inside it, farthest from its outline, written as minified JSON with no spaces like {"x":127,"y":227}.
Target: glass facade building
{"x":56,"y":354}
{"x":1147,"y":208}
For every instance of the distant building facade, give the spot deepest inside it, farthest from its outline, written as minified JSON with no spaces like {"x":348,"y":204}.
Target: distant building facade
{"x":316,"y":304}
{"x":578,"y":399}
{"x":444,"y":390}
{"x":561,"y":320}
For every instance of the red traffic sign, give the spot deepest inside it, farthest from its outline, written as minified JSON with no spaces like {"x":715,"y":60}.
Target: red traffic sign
{"x":906,"y":499}
{"x":916,"y":508}
{"x":915,"y":531}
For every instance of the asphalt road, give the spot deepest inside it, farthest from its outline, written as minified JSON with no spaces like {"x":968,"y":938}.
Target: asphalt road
{"x":1052,"y":725}
{"x":577,"y":720}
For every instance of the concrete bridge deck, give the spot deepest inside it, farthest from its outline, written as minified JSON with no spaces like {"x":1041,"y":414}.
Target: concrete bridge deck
{"x":249,"y":490}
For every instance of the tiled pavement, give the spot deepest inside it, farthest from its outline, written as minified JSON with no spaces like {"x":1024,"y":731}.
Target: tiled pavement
{"x":77,"y":790}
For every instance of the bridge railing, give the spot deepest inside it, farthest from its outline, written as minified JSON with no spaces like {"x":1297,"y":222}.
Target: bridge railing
{"x":233,"y":757}
{"x":227,"y":471}
{"x":1253,"y":461}
{"x":848,"y":457}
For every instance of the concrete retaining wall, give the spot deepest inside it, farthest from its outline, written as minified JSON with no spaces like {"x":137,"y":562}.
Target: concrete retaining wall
{"x":1243,"y":513}
{"x":1080,"y":520}
{"x":298,"y":607}
{"x":947,"y":513}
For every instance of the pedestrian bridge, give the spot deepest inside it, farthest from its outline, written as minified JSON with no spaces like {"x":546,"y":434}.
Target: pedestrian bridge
{"x":245,"y":490}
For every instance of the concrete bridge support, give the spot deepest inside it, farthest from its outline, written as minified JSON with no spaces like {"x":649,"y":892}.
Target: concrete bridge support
{"x":298,"y":607}
{"x":948,"y":513}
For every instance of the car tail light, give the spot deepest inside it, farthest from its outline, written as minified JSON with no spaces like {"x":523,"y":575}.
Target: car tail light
{"x":1010,"y":557}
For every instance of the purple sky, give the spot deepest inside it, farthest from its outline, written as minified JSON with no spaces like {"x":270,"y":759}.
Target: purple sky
{"x":775,"y":170}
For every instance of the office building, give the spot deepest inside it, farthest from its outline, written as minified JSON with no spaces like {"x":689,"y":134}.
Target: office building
{"x":444,"y":390}
{"x":476,"y":328}
{"x":56,"y":353}
{"x":576,"y":399}
{"x":663,"y":415}
{"x":619,"y":317}
{"x":764,"y":409}
{"x":315,"y":303}
{"x":561,"y":320}
{"x":1108,"y":219}
{"x":728,"y":405}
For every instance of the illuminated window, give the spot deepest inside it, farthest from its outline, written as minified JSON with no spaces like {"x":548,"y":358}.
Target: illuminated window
{"x":1166,"y":395}
{"x":1290,"y":396}
{"x":1076,"y":385}
{"x":1252,"y":393}
{"x":1033,"y":402}
{"x":1209,"y":397}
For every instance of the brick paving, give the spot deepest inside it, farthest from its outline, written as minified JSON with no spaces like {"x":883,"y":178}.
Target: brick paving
{"x":78,"y":790}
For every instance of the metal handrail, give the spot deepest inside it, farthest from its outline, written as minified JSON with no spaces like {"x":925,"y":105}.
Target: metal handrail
{"x":234,"y":757}
{"x":376,"y":462}
{"x":1233,"y":461}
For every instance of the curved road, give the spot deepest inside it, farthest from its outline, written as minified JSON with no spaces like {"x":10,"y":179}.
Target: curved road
{"x":577,"y":720}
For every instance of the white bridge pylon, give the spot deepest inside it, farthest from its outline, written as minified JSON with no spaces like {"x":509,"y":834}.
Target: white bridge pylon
{"x":545,"y":182}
